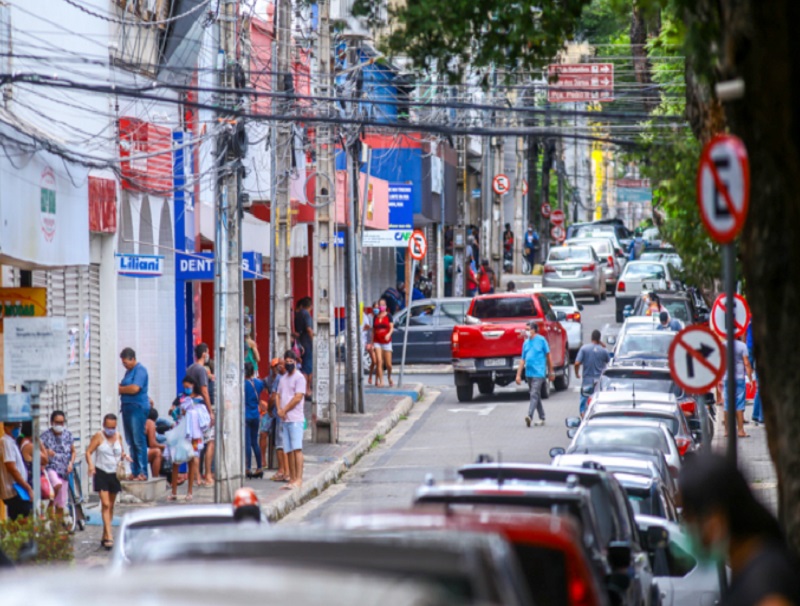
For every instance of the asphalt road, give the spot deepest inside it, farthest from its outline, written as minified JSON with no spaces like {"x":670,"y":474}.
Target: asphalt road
{"x":441,"y":434}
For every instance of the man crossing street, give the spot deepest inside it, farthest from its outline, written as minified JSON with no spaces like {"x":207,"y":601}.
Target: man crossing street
{"x":594,"y":358}
{"x":538,"y":367}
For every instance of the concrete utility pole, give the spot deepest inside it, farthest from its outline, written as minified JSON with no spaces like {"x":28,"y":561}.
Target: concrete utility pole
{"x":519,"y":200}
{"x":325,"y":428}
{"x":228,"y":267}
{"x":494,"y":248}
{"x":459,"y":233}
{"x":281,"y":263}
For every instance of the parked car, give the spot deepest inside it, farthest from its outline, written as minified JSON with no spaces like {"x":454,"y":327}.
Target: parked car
{"x":549,"y":547}
{"x":566,"y":499}
{"x":604,"y":249}
{"x":612,"y":333}
{"x":638,"y":277}
{"x":464,"y":567}
{"x":673,"y":258}
{"x":140,"y":529}
{"x":682,"y":579}
{"x":577,"y":268}
{"x":643,"y":346}
{"x":607,"y":228}
{"x":562,"y":300}
{"x":648,"y":496}
{"x":486,"y":349}
{"x":429,"y":329}
{"x":680,"y":304}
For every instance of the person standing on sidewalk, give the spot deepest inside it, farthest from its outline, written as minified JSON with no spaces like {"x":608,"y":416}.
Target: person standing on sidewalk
{"x":382,"y":329}
{"x":60,"y":447}
{"x":304,"y":327}
{"x":594,"y":358}
{"x":758,"y":414}
{"x":133,"y":392}
{"x":289,"y":404}
{"x":17,"y":492}
{"x":106,"y":446}
{"x":538,"y":367}
{"x":252,"y":403}
{"x":200,"y":375}
{"x":741,"y":369}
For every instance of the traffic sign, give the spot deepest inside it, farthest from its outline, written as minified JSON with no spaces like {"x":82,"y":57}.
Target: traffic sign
{"x":557,"y":233}
{"x":723,"y":187}
{"x":580,"y":82}
{"x":524,"y":187}
{"x":557,"y":217}
{"x":696,"y":359}
{"x":741,"y":315}
{"x":546,"y":210}
{"x":501,"y":184}
{"x":417,"y":245}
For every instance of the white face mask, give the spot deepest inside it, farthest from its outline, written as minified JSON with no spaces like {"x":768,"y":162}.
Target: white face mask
{"x":58,"y":428}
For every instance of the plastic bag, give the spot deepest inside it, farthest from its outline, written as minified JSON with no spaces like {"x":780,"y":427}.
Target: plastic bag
{"x":180,"y":448}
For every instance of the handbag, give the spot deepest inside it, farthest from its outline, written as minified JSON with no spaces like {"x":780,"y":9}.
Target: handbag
{"x":122,"y":473}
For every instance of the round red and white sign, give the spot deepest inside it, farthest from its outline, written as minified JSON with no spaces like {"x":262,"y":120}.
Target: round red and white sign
{"x":723,"y":187}
{"x":557,"y":216}
{"x":501,"y":184}
{"x":557,"y":233}
{"x":417,"y":245}
{"x":741,"y":316}
{"x":696,"y":359}
{"x":546,"y":210}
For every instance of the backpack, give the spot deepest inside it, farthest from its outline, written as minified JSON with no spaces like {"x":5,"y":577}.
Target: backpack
{"x":484,"y":283}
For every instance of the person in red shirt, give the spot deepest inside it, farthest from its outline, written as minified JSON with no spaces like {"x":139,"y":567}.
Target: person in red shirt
{"x":382,"y":329}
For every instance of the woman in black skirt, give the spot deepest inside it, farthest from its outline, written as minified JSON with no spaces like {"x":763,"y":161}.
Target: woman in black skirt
{"x":106,"y":446}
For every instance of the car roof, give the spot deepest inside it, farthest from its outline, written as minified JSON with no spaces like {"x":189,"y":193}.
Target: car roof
{"x":641,"y":398}
{"x":530,"y":472}
{"x":609,"y":461}
{"x":509,"y":488}
{"x":624,"y":422}
{"x":546,"y":289}
{"x":641,"y":320}
{"x":635,"y":481}
{"x":504,"y":295}
{"x":654,"y":262}
{"x":179,"y":514}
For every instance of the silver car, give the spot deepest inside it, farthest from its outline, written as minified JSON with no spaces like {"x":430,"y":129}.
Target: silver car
{"x":576,"y":268}
{"x":604,"y":249}
{"x":561,"y":299}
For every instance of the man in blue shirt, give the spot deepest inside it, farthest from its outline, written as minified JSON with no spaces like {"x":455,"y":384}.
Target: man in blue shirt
{"x":538,"y":367}
{"x":133,"y":394}
{"x":667,"y":323}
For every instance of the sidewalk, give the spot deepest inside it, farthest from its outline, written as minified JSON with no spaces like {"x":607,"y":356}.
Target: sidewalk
{"x":754,"y":459}
{"x":324,"y":465}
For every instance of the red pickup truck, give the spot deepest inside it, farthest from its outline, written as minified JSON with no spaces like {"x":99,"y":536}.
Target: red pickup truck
{"x":487,"y":347}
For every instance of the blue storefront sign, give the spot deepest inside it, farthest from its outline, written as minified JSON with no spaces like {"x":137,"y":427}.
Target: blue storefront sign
{"x":401,"y":205}
{"x":338,"y":239}
{"x":140,"y":266}
{"x":634,"y":194}
{"x":199,"y":266}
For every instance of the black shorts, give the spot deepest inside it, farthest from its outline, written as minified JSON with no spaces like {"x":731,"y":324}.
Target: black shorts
{"x":108,"y":482}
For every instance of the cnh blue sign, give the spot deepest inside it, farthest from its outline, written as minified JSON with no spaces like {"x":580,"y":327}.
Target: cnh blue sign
{"x":199,"y":266}
{"x":401,"y":205}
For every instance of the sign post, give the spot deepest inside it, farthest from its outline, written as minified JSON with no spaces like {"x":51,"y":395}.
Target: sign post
{"x":417,"y":248}
{"x":723,"y":195}
{"x":35,"y":353}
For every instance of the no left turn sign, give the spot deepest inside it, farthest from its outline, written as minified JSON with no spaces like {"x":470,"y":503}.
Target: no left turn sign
{"x":696,"y":359}
{"x":501,"y":184}
{"x":741,"y":315}
{"x":557,"y":233}
{"x":417,"y":245}
{"x":723,"y":187}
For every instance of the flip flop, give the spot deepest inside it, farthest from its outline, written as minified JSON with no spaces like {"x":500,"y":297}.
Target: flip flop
{"x":287,"y":487}
{"x":172,"y":497}
{"x":746,"y":435}
{"x":188,"y":497}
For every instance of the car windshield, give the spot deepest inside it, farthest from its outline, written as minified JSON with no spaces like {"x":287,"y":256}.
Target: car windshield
{"x":641,"y":503}
{"x":569,"y":253}
{"x":651,"y":256}
{"x":559,"y":299}
{"x":645,"y":270}
{"x":645,"y":345}
{"x":504,"y":307}
{"x":670,"y":422}
{"x":678,"y":309}
{"x":621,"y":436}
{"x":601,"y":247}
{"x":630,"y":383}
{"x":139,"y":538}
{"x":591,"y":230}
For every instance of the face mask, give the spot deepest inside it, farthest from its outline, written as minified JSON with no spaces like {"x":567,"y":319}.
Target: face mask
{"x":58,"y":428}
{"x":382,"y":308}
{"x":375,"y":310}
{"x":713,"y":555}
{"x":290,"y":368}
{"x":110,"y":433}
{"x":188,"y":391}
{"x":15,"y":432}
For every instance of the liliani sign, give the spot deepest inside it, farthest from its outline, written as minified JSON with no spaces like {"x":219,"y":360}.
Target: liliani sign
{"x":140,"y":266}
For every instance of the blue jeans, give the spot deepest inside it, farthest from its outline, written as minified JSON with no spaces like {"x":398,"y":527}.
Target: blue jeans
{"x":251,"y":442}
{"x":584,"y":401}
{"x":535,"y":384}
{"x":133,"y":420}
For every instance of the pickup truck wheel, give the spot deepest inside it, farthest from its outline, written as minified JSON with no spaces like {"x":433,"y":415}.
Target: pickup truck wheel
{"x":562,"y":382}
{"x":545,"y":389}
{"x":485,"y":387}
{"x":464,"y":392}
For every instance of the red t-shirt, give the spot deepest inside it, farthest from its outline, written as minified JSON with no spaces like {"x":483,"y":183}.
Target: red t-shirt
{"x":380,"y":329}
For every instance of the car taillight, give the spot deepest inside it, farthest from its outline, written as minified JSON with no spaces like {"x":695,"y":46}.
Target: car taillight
{"x":611,"y":261}
{"x":549,"y":269}
{"x":689,"y":407}
{"x":454,"y":341}
{"x":576,"y":317}
{"x":683,"y":445}
{"x":588,"y":267}
{"x":578,"y":592}
{"x":620,"y":286}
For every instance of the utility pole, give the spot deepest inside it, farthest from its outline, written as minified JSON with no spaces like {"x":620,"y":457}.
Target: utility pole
{"x":560,"y":171}
{"x":519,"y":198}
{"x":231,"y":147}
{"x":494,"y":247}
{"x":459,"y":233}
{"x":281,"y":263}
{"x":325,"y":427}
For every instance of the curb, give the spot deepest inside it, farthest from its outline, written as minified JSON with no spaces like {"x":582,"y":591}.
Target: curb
{"x":281,"y":507}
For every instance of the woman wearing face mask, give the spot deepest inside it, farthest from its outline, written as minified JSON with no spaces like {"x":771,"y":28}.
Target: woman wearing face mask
{"x":193,"y":408}
{"x":106,"y":446}
{"x":728,"y":524}
{"x":61,"y":457}
{"x":366,"y":339}
{"x":382,"y":329}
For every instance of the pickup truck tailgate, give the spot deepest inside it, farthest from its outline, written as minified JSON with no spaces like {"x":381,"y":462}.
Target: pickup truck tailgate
{"x":489,"y":340}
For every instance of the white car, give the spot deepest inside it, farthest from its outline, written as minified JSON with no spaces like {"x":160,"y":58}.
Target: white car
{"x":561,"y":299}
{"x":638,"y":277}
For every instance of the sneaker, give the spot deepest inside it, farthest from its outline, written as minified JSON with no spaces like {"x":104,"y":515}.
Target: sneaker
{"x":528,"y":421}
{"x":539,"y":422}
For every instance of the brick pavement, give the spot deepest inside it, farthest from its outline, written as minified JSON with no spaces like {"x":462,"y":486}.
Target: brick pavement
{"x":324,"y":463}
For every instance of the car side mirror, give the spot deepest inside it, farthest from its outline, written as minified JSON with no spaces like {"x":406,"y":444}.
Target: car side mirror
{"x":556,"y":451}
{"x":611,"y":340}
{"x":619,"y":555}
{"x":657,"y":537}
{"x":572,"y":422}
{"x":580,"y":307}
{"x":561,"y":316}
{"x":571,"y":433}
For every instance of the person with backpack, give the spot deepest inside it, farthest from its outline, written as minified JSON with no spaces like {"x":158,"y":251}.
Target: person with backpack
{"x":395,"y":299}
{"x":485,"y":278}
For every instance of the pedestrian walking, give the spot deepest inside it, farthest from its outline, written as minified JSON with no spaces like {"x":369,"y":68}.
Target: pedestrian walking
{"x":594,"y":358}
{"x":382,"y":329}
{"x":290,"y":406}
{"x":17,"y":492}
{"x":304,"y":327}
{"x":270,"y":420}
{"x":742,"y":369}
{"x":200,"y":375}
{"x":728,"y":525}
{"x":367,"y":341}
{"x":537,"y":365}
{"x":60,"y":446}
{"x":103,"y":457}
{"x":253,"y":387}
{"x":133,"y":391}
